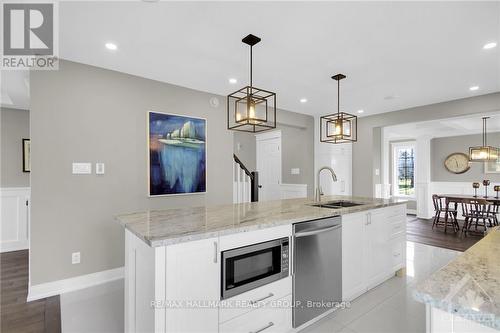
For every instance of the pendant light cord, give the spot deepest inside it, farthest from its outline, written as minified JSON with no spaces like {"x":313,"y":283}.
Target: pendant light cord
{"x":484,"y":132}
{"x":251,"y":69}
{"x":338,"y":98}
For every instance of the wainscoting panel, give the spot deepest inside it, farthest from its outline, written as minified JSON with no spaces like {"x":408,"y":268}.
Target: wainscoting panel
{"x":14,"y":218}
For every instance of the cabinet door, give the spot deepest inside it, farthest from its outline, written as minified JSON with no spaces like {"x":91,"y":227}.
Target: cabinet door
{"x":192,"y":281}
{"x":378,"y":248}
{"x":353,"y":278}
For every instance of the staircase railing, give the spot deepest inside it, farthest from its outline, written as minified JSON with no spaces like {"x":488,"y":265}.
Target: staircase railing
{"x":245,"y":183}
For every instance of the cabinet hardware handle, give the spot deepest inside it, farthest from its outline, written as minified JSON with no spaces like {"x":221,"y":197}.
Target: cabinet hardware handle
{"x":215,"y":252}
{"x":261,"y":299}
{"x":263,"y":328}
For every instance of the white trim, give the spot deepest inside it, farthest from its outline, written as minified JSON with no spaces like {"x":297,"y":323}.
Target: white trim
{"x":58,"y":287}
{"x":268,"y":135}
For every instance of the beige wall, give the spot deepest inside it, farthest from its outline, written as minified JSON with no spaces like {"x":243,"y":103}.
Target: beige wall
{"x":442,"y":147}
{"x":366,"y":152}
{"x":14,"y":127}
{"x":87,"y":114}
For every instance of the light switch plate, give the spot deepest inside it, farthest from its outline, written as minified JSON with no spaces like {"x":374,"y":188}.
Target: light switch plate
{"x":377,"y":172}
{"x":99,"y":168}
{"x":75,"y":258}
{"x":82,"y":168}
{"x":295,"y":171}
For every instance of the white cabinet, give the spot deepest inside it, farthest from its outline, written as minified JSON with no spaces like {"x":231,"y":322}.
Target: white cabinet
{"x":373,"y":248}
{"x":172,"y":288}
{"x":353,"y":231}
{"x":193,"y":275}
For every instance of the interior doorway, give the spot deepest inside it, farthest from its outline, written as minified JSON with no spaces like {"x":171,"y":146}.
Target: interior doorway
{"x":269,"y":165}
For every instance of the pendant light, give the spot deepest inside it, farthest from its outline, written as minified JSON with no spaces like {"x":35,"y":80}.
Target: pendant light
{"x":483,"y":153}
{"x":339,"y":127}
{"x":251,"y":109}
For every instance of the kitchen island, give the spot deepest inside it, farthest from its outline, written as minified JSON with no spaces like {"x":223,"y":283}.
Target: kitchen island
{"x":177,"y":261}
{"x":464,"y":296}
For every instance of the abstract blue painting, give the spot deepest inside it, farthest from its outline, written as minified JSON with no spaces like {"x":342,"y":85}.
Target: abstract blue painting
{"x":177,"y":154}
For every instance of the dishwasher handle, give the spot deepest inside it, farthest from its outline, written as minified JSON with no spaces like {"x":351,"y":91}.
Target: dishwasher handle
{"x":316,"y":231}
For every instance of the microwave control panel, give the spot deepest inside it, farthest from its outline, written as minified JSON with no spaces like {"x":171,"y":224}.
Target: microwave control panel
{"x":285,"y":257}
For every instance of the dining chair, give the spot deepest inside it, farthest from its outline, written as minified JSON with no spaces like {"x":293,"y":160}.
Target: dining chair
{"x":477,"y":213}
{"x":449,"y":217}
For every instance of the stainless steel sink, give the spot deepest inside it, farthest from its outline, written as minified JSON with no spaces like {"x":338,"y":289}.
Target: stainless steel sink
{"x":337,"y":204}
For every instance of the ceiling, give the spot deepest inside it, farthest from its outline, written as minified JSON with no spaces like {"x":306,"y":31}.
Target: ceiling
{"x":395,"y":54}
{"x":444,"y":127}
{"x":15,"y":92}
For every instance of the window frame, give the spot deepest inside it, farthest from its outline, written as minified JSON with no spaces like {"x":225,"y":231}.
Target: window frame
{"x":395,"y":188}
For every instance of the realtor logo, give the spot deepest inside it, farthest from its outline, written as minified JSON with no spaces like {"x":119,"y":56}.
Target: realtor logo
{"x":28,"y":36}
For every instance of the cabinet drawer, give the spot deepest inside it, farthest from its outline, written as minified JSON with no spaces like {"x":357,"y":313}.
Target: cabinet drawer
{"x":398,"y":251}
{"x":397,"y":229}
{"x":275,"y":317}
{"x":254,"y":299}
{"x":394,"y":211}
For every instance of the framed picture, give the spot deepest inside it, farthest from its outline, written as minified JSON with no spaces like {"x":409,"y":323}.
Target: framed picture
{"x":26,"y":155}
{"x":176,"y":154}
{"x":492,"y":167}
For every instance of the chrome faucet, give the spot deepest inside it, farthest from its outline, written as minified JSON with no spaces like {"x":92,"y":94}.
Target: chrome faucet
{"x":319,"y":192}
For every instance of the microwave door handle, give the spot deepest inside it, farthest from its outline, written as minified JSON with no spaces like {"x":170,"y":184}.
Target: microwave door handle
{"x":317,"y":231}
{"x":215,"y":252}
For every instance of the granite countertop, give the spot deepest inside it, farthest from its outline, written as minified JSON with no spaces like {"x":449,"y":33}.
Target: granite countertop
{"x":469,"y":286}
{"x":171,"y":226}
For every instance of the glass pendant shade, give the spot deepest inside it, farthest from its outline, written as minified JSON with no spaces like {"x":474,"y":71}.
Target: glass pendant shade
{"x":251,"y":109}
{"x":484,"y":153}
{"x":340,"y":127}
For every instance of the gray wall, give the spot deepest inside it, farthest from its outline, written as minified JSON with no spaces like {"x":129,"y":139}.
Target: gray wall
{"x":87,"y":114}
{"x":297,"y":140}
{"x":14,"y":127}
{"x":442,"y":147}
{"x":365,"y":154}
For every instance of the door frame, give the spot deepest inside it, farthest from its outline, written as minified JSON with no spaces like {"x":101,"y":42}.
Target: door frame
{"x":275,"y":134}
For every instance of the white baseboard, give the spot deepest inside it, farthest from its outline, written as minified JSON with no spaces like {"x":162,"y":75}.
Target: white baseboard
{"x":411,"y":211}
{"x":54,"y":288}
{"x":14,"y":246}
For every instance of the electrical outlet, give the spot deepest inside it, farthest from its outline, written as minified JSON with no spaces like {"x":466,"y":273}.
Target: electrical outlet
{"x":75,"y":258}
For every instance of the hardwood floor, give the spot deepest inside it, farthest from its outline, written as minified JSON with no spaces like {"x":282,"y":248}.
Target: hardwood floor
{"x":420,"y":231}
{"x":15,"y":314}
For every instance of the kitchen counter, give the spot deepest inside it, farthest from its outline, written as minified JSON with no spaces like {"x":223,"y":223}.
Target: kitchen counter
{"x":468,"y":286}
{"x":172,"y":226}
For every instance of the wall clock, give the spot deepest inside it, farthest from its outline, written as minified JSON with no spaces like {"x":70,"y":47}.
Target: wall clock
{"x":457,"y":163}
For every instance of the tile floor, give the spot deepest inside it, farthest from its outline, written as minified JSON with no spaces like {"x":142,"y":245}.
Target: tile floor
{"x":387,"y":308}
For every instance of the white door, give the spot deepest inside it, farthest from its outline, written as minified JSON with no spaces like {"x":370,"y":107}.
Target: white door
{"x":269,"y":165}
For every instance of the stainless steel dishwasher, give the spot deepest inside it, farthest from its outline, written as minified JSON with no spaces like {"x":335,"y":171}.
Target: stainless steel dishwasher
{"x":317,"y":268}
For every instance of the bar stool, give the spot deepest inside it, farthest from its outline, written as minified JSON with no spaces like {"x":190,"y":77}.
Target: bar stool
{"x":450,"y":214}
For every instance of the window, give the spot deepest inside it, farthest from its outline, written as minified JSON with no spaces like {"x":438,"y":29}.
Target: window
{"x":403,"y":171}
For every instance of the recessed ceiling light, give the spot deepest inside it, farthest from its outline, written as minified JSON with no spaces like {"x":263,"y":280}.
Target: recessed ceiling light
{"x":111,"y":46}
{"x":303,"y":100}
{"x":474,"y":88}
{"x":233,"y":81}
{"x":361,"y":111}
{"x":490,"y":45}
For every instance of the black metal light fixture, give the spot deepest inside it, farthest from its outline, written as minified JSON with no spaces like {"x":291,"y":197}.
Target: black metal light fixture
{"x":340,"y":127}
{"x":251,"y":109}
{"x":483,"y":153}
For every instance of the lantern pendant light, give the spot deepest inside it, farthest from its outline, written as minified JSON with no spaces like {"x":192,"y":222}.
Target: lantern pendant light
{"x":340,"y":127}
{"x":483,"y":153}
{"x":251,"y":109}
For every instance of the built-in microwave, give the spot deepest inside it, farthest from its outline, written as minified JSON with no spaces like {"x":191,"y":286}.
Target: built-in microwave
{"x":252,"y":266}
